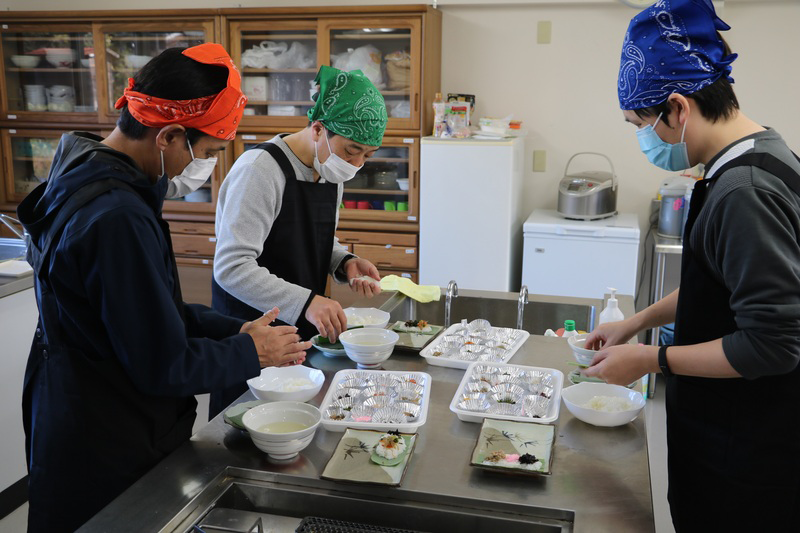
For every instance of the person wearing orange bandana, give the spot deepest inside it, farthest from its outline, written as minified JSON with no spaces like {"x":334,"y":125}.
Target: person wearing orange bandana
{"x":117,"y":356}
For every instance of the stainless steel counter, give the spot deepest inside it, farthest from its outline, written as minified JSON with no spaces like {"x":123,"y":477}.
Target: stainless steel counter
{"x":599,"y":474}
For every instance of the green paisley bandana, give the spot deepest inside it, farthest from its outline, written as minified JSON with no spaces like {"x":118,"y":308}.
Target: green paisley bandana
{"x":349,"y":105}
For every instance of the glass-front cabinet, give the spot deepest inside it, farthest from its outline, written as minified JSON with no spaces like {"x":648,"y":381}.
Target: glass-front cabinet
{"x":388,"y":52}
{"x":278,"y":62}
{"x":48,"y":71}
{"x":28,"y":155}
{"x":126,"y":48}
{"x":386,"y":189}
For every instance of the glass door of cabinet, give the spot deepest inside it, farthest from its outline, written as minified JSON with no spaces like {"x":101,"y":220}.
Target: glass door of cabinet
{"x":29,"y":154}
{"x":388,"y":52}
{"x":278,"y":61}
{"x":387,"y":187}
{"x":49,"y":72}
{"x":126,"y":48}
{"x":204,"y":199}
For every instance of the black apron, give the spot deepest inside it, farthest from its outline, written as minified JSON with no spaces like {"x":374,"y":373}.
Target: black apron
{"x":734,"y":444}
{"x":61,"y":380}
{"x":298,"y":250}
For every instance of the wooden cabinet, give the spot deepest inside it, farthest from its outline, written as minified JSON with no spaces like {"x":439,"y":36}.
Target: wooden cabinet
{"x":62,"y":71}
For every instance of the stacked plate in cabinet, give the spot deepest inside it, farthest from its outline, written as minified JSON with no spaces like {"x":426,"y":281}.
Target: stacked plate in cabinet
{"x":508,"y":392}
{"x":477,"y":341}
{"x":374,"y":399}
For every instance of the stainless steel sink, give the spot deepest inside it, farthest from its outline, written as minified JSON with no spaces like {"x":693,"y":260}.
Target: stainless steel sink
{"x":11,"y":249}
{"x":499,"y":308}
{"x":239,"y":498}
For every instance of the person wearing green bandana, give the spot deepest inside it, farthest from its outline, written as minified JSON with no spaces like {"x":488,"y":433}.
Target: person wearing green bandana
{"x":277,"y":214}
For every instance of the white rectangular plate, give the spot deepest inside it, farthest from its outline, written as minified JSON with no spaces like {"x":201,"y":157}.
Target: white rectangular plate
{"x":449,"y":362}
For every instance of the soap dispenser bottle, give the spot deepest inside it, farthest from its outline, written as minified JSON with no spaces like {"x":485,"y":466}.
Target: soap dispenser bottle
{"x":611,"y":313}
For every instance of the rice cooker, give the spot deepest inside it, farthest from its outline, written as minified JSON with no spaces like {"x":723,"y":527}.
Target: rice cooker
{"x":588,"y":195}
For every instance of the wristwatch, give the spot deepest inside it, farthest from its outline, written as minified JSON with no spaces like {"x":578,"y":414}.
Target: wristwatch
{"x":662,"y":361}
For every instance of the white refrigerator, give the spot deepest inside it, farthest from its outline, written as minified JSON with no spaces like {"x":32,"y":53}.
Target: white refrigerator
{"x":580,"y":258}
{"x":471,"y":213}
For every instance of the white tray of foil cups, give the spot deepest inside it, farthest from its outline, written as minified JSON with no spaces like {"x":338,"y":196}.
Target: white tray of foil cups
{"x":469,"y":342}
{"x":508,"y":392}
{"x":376,"y":399}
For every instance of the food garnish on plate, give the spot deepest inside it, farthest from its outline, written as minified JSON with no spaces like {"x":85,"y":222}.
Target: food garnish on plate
{"x":390,"y":449}
{"x":413,"y":326}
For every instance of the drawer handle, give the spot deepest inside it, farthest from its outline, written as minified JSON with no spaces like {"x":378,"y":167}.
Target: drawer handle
{"x":384,"y":264}
{"x":190,"y":251}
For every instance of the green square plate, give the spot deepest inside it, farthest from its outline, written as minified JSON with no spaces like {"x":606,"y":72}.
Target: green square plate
{"x":414,"y":341}
{"x":351,"y":459}
{"x":514,"y":439}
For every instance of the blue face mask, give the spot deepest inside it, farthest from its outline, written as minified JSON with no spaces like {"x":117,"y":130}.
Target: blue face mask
{"x":662,"y":154}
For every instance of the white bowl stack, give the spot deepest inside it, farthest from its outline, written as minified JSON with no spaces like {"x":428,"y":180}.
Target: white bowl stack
{"x":279,"y":383}
{"x":282,"y":446}
{"x":577,"y":396}
{"x":369,"y":347}
{"x":60,"y":57}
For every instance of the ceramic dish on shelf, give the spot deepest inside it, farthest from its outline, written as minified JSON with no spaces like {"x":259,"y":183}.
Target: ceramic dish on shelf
{"x":514,"y":447}
{"x":375,"y":399}
{"x":477,"y":341}
{"x":330,"y":350}
{"x":352,"y":460}
{"x":508,"y":392}
{"x":25,"y":61}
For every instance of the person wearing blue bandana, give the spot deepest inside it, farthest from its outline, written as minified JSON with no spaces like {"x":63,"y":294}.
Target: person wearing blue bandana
{"x":732,"y":376}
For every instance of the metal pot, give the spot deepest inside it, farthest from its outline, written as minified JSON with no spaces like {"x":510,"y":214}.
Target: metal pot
{"x":588,"y":195}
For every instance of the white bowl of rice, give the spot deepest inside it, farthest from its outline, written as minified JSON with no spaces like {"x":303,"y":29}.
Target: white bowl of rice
{"x":288,"y":383}
{"x":602,"y":404}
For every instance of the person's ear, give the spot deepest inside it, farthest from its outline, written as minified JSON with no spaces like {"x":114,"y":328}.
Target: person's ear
{"x":680,"y":105}
{"x":316,"y":130}
{"x":170,"y":134}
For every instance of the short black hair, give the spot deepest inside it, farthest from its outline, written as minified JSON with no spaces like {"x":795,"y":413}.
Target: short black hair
{"x":173,"y":76}
{"x":715,"y":102}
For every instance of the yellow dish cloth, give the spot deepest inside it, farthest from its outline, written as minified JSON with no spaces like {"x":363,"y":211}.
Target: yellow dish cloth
{"x":420,"y":293}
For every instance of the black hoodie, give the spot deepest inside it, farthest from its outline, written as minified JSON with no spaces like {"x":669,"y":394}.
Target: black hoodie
{"x":110,"y":382}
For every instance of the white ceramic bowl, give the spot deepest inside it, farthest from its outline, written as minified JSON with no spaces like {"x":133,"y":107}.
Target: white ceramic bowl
{"x":277,"y":383}
{"x":582,"y":355}
{"x":402,"y":183}
{"x":60,"y":57}
{"x":368,"y":317}
{"x":283,"y":445}
{"x":25,"y":61}
{"x":136,"y":61}
{"x":369,"y":347}
{"x":577,"y":396}
{"x":86,"y":62}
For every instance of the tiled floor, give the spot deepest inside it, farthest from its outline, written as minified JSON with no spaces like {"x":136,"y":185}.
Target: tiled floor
{"x":17,"y":521}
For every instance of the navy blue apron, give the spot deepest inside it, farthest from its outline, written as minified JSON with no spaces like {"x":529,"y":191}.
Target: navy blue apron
{"x":734,"y":444}
{"x":76,"y":468}
{"x":298,"y":250}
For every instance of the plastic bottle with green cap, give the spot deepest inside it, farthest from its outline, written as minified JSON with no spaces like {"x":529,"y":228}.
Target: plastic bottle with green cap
{"x":569,"y":329}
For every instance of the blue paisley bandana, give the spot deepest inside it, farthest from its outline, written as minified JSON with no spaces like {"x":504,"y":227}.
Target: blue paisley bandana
{"x":349,"y":105}
{"x":671,"y":47}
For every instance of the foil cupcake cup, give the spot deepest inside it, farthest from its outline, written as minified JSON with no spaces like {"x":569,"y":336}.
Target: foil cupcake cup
{"x":414,"y":379}
{"x":372,"y":392}
{"x":490,"y":378}
{"x":502,"y":345}
{"x":362,"y":413}
{"x":479,"y":325}
{"x":478,"y":386}
{"x":484,"y":369}
{"x":410,"y":410}
{"x":505,"y":409}
{"x":353,"y":383}
{"x":410,"y":393}
{"x":377,"y":402}
{"x":535,"y":406}
{"x":496,"y":355}
{"x":507,"y":393}
{"x":386,"y":380}
{"x":474,"y":396}
{"x":335,"y":413}
{"x":389,"y":415}
{"x":480,"y":405}
{"x":367,"y":379}
{"x":467,"y":355}
{"x":347,"y":393}
{"x":545,"y":391}
{"x":345,"y":404}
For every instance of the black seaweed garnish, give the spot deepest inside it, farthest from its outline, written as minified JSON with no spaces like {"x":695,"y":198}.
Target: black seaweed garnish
{"x":527,"y":459}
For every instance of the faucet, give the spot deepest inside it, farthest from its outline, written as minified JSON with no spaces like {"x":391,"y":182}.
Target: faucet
{"x":5,"y":220}
{"x":452,"y":292}
{"x":523,"y":299}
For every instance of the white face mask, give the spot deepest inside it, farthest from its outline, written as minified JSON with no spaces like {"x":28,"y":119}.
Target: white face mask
{"x":193,"y":176}
{"x":334,"y":169}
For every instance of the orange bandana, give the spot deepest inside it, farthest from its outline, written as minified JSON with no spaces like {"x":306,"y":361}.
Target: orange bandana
{"x":217,"y":115}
